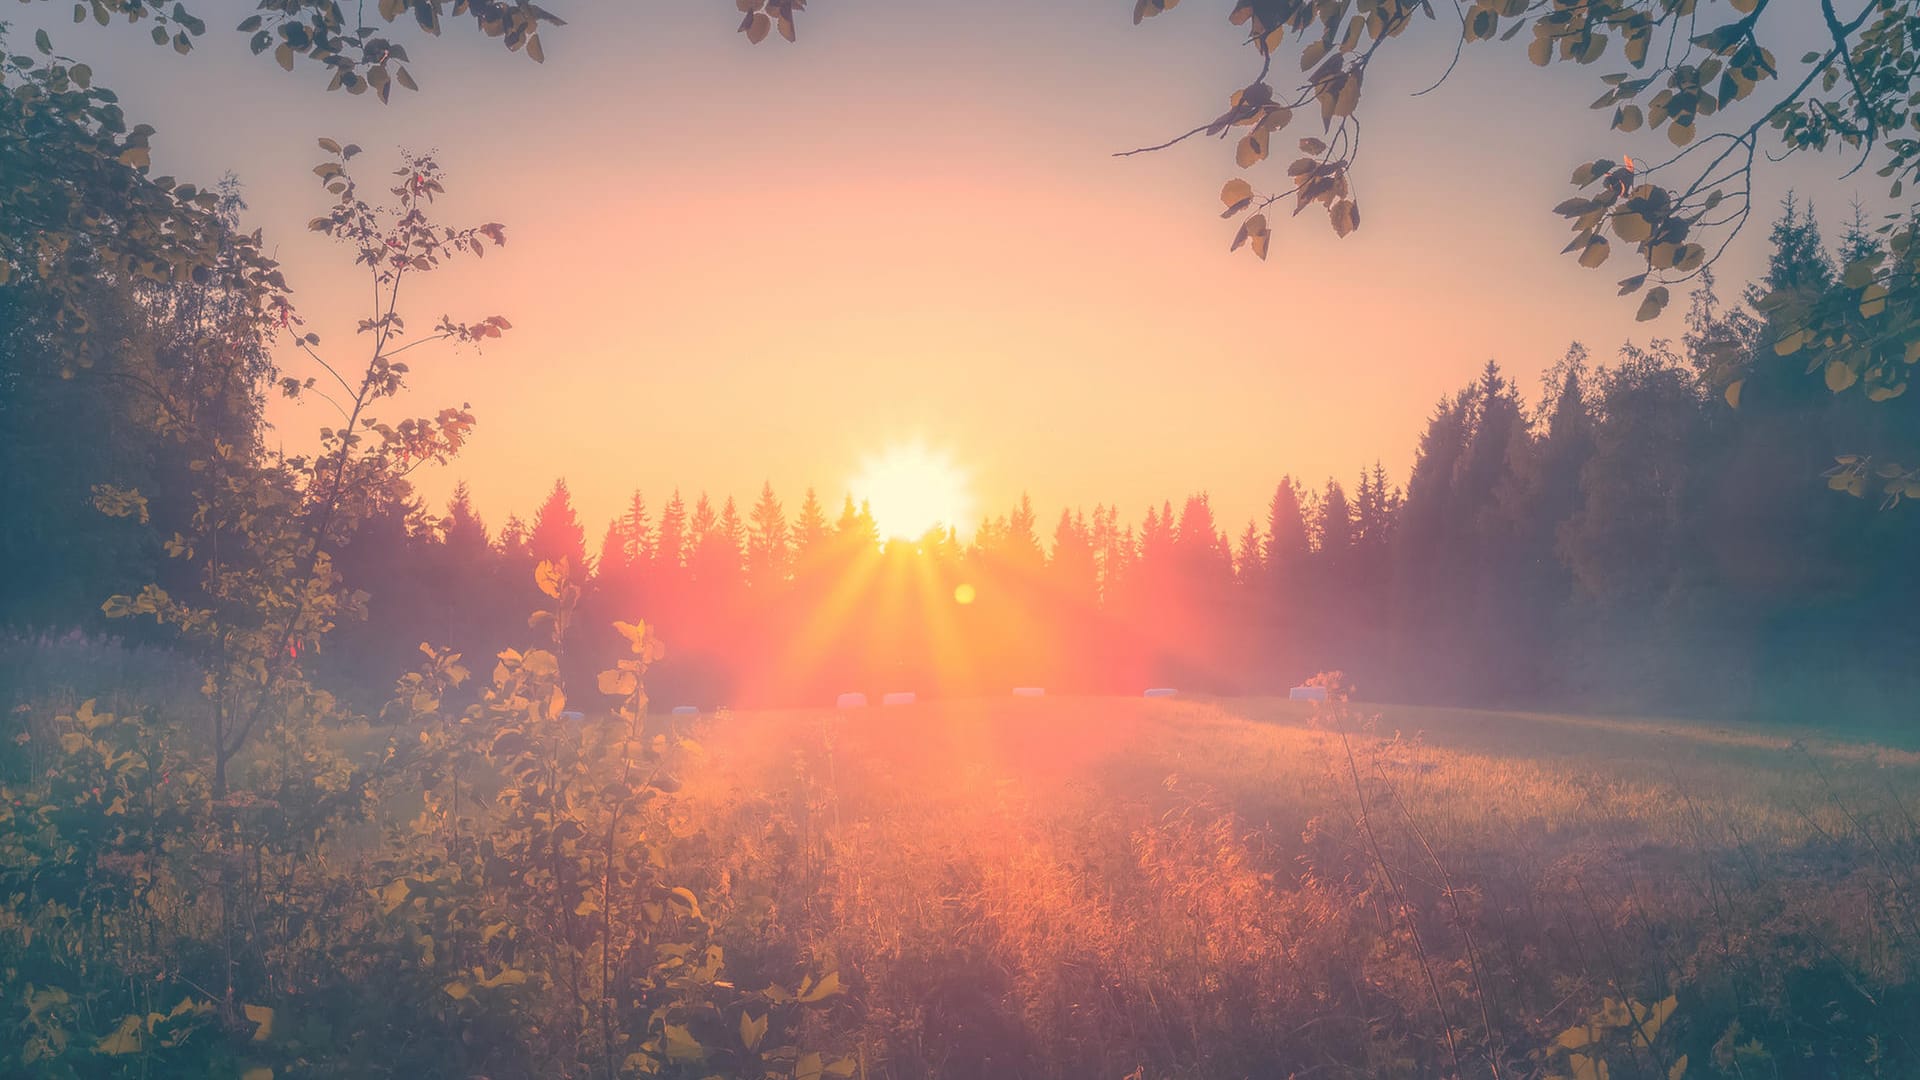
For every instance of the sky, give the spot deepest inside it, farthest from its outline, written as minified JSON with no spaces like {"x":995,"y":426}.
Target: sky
{"x":729,"y":264}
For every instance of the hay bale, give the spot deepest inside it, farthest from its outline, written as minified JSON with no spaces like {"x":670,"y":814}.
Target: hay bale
{"x":1161,"y":691}
{"x":686,"y":710}
{"x":899,"y":697}
{"x":1307,"y":693}
{"x":850,"y":701}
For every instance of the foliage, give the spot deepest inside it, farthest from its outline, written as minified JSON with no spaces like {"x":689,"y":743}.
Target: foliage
{"x":531,"y":808}
{"x":359,"y":57}
{"x":80,"y":204}
{"x":202,"y":893}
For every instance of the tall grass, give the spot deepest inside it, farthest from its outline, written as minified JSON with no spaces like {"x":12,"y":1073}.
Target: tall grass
{"x":1084,"y":888}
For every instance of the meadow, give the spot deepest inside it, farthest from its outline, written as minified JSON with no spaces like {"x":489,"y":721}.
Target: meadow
{"x":1102,"y":887}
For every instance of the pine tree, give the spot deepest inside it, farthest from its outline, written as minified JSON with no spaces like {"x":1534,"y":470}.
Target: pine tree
{"x":1249,"y":562}
{"x":557,"y":533}
{"x":769,"y":547}
{"x":733,"y":533}
{"x":1859,"y":242}
{"x":810,"y":527}
{"x":612,"y":563}
{"x":703,"y":527}
{"x":1022,"y":541}
{"x":636,"y":533}
{"x":1287,"y":545}
{"x":465,"y":534}
{"x":1334,"y":524}
{"x":512,"y":541}
{"x":671,"y":553}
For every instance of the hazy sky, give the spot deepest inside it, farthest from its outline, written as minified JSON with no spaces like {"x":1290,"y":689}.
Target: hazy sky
{"x":729,"y":263}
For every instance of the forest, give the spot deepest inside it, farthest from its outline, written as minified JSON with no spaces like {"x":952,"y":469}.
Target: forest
{"x":1618,"y":538}
{"x":1608,"y":769}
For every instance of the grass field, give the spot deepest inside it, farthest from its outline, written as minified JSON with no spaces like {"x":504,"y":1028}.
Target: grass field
{"x":1110,"y":888}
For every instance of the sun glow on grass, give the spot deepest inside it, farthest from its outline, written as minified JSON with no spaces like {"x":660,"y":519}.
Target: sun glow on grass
{"x":912,"y":489}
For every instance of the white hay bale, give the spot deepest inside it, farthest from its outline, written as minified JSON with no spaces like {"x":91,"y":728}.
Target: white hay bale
{"x":1029,"y":691}
{"x":576,"y":717}
{"x":850,"y":701}
{"x":899,"y":697}
{"x":686,"y":710}
{"x":1307,"y":693}
{"x":1161,"y":691}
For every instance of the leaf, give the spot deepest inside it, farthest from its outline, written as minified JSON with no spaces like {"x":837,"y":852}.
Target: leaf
{"x":535,"y":50}
{"x":617,"y":683}
{"x":547,"y":575}
{"x":284,"y":56}
{"x":1652,"y":304}
{"x":1679,"y":1068}
{"x":124,"y":1039}
{"x":1594,"y":253}
{"x":1235,"y":196}
{"x":1733,"y":392}
{"x":540,"y":663}
{"x":42,"y":42}
{"x":1346,"y":217}
{"x":457,"y":990}
{"x":825,"y":988}
{"x":1873,"y":300}
{"x":330,"y":146}
{"x":1252,"y":148}
{"x":1840,"y":375}
{"x":681,"y":1045}
{"x":262,"y":1016}
{"x":751,"y":1030}
{"x":258,"y":1072}
{"x":392,"y":896}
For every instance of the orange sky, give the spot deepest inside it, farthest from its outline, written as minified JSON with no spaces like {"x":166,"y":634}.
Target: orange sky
{"x":729,"y":263}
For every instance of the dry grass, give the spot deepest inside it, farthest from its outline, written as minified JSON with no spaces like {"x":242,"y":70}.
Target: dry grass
{"x":1106,"y":888}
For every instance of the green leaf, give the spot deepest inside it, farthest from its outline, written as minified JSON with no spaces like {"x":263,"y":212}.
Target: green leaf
{"x":1652,"y":304}
{"x":42,"y":42}
{"x":1594,"y":253}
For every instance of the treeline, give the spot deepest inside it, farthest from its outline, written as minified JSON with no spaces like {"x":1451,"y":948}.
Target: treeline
{"x":1624,"y":538}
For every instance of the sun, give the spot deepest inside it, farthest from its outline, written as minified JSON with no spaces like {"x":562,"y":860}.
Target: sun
{"x":912,"y":489}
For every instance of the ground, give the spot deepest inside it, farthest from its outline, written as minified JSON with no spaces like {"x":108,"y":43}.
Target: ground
{"x":1104,"y":887}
